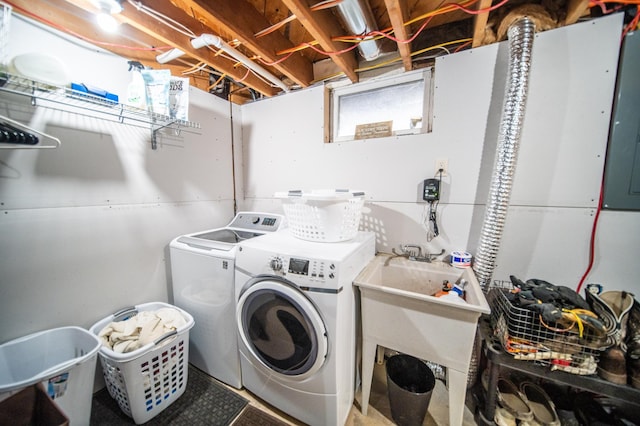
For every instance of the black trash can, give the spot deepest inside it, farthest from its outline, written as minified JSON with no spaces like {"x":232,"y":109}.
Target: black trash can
{"x":410,"y":383}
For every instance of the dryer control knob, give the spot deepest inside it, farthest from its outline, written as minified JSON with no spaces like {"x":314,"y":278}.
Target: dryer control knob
{"x":276,"y":264}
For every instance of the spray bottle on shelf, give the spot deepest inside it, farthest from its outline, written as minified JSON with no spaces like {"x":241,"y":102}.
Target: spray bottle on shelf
{"x":136,"y":91}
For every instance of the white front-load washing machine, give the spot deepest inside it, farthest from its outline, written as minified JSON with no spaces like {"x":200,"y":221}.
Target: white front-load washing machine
{"x":202,"y":271}
{"x":296,"y":322}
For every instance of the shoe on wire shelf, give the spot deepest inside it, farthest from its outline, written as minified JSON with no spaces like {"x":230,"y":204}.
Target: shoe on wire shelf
{"x":543,"y":409}
{"x":512,"y":400}
{"x":504,"y":418}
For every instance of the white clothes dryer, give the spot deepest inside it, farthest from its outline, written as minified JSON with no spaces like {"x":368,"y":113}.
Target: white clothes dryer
{"x":296,"y":322}
{"x":202,"y":271}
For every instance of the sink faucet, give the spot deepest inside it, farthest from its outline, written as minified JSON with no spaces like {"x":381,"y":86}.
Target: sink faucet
{"x":414,"y":252}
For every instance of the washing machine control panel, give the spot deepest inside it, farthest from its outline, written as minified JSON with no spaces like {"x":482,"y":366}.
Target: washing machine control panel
{"x":276,"y":264}
{"x":266,"y":222}
{"x":298,"y":266}
{"x":314,"y":270}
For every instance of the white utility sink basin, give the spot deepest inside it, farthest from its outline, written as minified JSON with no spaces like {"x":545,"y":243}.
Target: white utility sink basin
{"x":400,"y":312}
{"x":421,"y":280}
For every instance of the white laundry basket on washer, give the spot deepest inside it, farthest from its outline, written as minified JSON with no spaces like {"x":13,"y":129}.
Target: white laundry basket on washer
{"x":323,"y":215}
{"x":146,"y":381}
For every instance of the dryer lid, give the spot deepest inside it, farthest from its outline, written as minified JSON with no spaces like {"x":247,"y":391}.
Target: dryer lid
{"x":226,"y":235}
{"x":218,"y":239}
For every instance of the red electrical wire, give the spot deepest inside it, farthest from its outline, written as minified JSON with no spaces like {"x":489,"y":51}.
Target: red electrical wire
{"x":243,"y":78}
{"x":413,"y":37}
{"x":275,"y":62}
{"x":632,"y":25}
{"x":462,"y":46}
{"x":603,"y":7}
{"x":479,"y":11}
{"x":594,"y":2}
{"x":338,"y":52}
{"x":592,"y":241}
{"x":325,"y":4}
{"x":385,"y":33}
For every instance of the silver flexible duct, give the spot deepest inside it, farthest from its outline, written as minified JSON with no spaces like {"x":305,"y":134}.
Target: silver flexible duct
{"x":358,"y":18}
{"x":521,"y":35}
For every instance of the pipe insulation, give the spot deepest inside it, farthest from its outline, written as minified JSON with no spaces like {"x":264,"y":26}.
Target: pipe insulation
{"x":520,"y":34}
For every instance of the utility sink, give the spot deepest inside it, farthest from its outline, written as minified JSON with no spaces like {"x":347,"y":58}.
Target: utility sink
{"x":421,"y":280}
{"x":400,"y":312}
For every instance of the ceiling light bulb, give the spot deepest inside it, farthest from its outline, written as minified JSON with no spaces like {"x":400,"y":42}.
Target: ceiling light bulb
{"x":108,"y":6}
{"x":107,"y":22}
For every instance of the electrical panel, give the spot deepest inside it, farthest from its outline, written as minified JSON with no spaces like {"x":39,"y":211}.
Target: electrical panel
{"x":622,"y":170}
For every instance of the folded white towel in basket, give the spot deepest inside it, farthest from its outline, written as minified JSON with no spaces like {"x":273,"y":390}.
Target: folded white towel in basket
{"x":140,"y":329}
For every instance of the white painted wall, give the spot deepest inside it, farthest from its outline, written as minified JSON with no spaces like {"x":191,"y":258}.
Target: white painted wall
{"x":559,"y":169}
{"x":85,"y":228}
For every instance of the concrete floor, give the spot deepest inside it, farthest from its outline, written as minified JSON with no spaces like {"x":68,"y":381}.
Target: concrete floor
{"x":379,"y":413}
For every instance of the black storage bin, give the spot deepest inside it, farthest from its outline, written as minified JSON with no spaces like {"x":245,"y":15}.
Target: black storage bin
{"x":410,"y":383}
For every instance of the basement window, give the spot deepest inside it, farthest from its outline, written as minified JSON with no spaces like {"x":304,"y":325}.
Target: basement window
{"x":393,"y":106}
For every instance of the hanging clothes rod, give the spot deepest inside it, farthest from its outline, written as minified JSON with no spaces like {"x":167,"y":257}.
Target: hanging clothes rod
{"x":23,"y":140}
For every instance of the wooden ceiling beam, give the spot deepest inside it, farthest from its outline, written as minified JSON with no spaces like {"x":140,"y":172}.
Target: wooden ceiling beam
{"x":323,"y":26}
{"x":575,"y":10}
{"x":149,"y":26}
{"x":75,"y":17}
{"x":241,"y":19}
{"x":398,"y":15}
{"x":67,"y":18}
{"x":480,"y":23}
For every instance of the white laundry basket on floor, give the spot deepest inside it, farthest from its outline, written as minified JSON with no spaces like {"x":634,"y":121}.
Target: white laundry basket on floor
{"x":146,"y":381}
{"x":323,"y":215}
{"x":63,"y":359}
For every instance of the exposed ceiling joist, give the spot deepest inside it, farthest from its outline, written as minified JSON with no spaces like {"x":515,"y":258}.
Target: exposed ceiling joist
{"x":239,"y":18}
{"x":398,"y":15}
{"x":575,"y":10}
{"x":167,"y":36}
{"x":480,"y":22}
{"x":150,"y":26}
{"x":323,"y":26}
{"x":286,"y":38}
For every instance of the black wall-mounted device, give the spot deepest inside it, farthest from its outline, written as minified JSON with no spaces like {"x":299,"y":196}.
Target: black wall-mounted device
{"x":431,"y":190}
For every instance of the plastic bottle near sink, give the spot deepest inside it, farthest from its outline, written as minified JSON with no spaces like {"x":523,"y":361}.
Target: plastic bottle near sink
{"x":455,"y":293}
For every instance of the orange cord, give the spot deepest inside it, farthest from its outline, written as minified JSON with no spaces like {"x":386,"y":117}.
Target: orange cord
{"x":559,"y":330}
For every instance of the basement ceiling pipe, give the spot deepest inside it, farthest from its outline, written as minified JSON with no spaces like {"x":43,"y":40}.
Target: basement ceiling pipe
{"x":521,"y":34}
{"x":358,"y":18}
{"x":212,"y":40}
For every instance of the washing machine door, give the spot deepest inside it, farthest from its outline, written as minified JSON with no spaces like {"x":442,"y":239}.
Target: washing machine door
{"x":282,"y":328}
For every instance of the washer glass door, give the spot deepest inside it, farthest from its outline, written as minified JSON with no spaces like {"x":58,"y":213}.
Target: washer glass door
{"x":282,"y":328}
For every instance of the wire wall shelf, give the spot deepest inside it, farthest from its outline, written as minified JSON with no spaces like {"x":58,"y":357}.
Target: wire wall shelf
{"x":57,"y":97}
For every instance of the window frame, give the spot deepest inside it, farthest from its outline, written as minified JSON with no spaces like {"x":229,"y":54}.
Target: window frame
{"x":338,"y":90}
